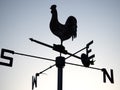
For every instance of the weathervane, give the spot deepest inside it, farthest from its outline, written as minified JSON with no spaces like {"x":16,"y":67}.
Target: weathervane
{"x":64,"y":32}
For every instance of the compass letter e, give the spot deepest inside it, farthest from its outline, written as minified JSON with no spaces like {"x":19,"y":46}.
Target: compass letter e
{"x":6,"y":57}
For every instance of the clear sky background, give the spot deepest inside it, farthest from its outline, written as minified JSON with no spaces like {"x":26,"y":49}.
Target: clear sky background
{"x":98,"y":20}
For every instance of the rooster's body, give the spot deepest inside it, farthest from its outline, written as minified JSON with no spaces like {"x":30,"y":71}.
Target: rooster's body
{"x":66,"y":31}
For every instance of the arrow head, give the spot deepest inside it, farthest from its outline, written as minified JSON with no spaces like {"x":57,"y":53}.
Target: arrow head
{"x":31,"y":39}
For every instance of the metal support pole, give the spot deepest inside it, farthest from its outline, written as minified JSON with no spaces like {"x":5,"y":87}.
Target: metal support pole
{"x":60,"y":78}
{"x":60,"y":63}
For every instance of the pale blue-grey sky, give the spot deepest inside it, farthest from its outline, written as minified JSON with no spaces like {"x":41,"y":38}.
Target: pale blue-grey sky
{"x":98,"y":20}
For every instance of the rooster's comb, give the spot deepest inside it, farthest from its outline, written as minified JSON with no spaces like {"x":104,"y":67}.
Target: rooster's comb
{"x":53,"y":7}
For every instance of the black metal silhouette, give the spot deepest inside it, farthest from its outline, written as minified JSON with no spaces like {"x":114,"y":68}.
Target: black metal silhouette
{"x":85,"y":58}
{"x":63,"y":31}
{"x":60,"y":63}
{"x":105,"y":73}
{"x":6,"y":57}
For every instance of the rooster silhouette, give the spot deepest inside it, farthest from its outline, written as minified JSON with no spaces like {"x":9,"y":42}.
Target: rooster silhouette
{"x":63,"y":31}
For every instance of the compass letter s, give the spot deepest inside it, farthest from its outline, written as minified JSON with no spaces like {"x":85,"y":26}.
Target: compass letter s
{"x":6,"y":57}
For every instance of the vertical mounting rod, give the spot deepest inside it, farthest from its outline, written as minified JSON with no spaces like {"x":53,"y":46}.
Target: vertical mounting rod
{"x":60,"y":63}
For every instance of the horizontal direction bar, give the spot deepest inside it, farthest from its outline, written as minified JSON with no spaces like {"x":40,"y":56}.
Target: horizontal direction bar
{"x":76,"y":52}
{"x":82,"y":66}
{"x":33,"y":56}
{"x":57,"y":49}
{"x":54,"y":60}
{"x":33,"y":40}
{"x":45,"y":70}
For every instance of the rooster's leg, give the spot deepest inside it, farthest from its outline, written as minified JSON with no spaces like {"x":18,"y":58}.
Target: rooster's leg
{"x":61,"y":42}
{"x":61,"y":45}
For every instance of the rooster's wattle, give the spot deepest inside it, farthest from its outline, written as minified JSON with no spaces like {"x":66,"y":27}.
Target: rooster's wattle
{"x":63,"y":31}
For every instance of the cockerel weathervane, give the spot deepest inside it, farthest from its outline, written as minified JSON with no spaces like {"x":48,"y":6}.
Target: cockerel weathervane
{"x":64,"y":32}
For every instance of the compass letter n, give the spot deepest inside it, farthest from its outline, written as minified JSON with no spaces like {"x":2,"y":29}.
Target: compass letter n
{"x":105,"y":74}
{"x":6,"y":57}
